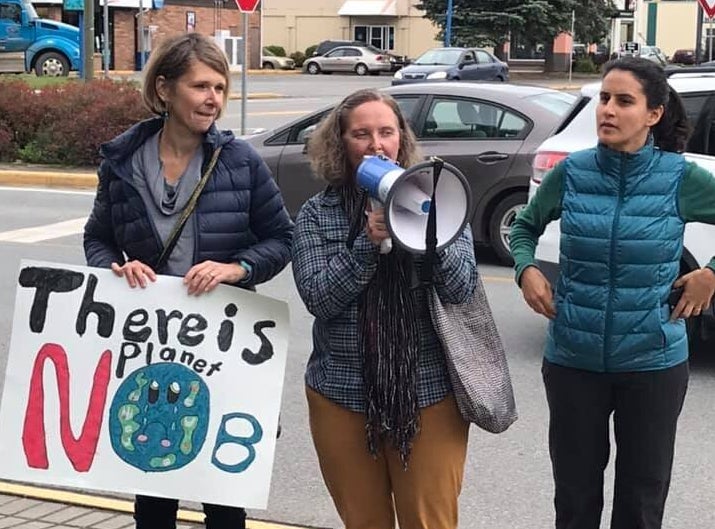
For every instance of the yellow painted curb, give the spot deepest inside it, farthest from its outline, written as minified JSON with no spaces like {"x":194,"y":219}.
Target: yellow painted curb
{"x":111,"y":504}
{"x":48,"y":179}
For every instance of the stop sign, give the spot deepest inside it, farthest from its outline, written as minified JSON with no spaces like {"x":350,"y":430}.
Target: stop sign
{"x":249,"y":6}
{"x":707,"y":5}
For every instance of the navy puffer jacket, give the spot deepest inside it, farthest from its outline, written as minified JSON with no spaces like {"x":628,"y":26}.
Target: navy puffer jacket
{"x":239,"y":217}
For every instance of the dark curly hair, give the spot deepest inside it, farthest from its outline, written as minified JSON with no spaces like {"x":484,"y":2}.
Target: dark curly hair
{"x":673,"y":130}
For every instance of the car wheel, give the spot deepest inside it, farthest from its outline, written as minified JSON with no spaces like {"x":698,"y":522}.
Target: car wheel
{"x":500,"y":78}
{"x":313,"y":68}
{"x":361,"y":69}
{"x":268,"y":66}
{"x":500,"y":224}
{"x":52,"y":64}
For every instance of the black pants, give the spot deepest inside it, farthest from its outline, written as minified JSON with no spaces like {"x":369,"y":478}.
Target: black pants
{"x":645,"y":408}
{"x":160,"y":513}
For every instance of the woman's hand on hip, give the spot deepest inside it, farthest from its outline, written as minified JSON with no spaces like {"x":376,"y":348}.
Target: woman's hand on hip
{"x":375,"y":227}
{"x":537,"y":292}
{"x":135,"y":272}
{"x":206,"y":276}
{"x":698,"y":288}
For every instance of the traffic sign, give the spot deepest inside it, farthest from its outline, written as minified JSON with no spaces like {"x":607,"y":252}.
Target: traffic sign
{"x":707,"y":5}
{"x":249,"y":6}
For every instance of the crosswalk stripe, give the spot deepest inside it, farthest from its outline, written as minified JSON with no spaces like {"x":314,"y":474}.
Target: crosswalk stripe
{"x":44,"y":233}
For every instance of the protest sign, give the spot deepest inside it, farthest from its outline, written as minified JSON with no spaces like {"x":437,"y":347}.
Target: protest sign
{"x":142,"y":391}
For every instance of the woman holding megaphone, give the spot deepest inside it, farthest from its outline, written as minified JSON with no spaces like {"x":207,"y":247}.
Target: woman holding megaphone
{"x":388,"y":434}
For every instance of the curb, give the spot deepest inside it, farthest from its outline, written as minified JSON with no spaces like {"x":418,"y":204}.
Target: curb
{"x":20,"y":177}
{"x":256,"y":95}
{"x":113,"y":504}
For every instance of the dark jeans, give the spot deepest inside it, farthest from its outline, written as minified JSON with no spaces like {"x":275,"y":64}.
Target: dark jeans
{"x":160,"y":513}
{"x":645,"y":407}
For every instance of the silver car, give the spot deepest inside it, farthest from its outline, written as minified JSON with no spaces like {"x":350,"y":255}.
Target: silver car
{"x":362,"y":60}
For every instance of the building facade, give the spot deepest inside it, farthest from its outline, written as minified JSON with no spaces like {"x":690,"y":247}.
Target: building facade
{"x":671,"y":25}
{"x":392,"y":25}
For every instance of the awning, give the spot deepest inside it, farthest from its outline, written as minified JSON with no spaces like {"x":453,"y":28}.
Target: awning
{"x":357,"y":8}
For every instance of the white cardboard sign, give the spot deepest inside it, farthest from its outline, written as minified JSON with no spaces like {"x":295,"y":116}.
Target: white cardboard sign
{"x":142,"y":391}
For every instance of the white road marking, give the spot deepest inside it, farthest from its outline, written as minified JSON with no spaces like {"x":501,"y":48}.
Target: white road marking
{"x":44,"y":233}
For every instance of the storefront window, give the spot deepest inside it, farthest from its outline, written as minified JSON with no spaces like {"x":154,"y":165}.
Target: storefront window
{"x":382,"y":37}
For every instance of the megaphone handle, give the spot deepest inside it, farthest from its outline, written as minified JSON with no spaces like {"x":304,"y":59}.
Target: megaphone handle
{"x":386,"y":244}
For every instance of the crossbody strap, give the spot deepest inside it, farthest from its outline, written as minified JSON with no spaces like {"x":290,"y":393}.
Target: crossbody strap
{"x":186,"y":213}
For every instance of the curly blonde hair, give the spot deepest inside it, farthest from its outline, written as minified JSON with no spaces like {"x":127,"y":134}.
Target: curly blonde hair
{"x":326,"y":149}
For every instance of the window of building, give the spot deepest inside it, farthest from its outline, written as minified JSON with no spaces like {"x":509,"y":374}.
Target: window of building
{"x":382,"y":37}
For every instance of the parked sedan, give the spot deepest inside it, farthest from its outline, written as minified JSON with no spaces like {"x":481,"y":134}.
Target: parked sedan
{"x":271,"y":61}
{"x":488,"y":131}
{"x":453,"y":64}
{"x":359,"y":59}
{"x":683,"y":56}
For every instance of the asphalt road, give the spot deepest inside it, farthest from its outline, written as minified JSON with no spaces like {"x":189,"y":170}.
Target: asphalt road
{"x":508,"y":481}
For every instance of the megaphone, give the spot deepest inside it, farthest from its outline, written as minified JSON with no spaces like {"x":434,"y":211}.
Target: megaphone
{"x":406,"y":196}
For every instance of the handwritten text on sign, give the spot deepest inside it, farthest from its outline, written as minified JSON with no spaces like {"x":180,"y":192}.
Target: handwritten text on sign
{"x":142,"y":391}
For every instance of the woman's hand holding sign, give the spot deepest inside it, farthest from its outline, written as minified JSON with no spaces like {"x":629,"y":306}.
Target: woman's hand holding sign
{"x":206,"y":276}
{"x":135,"y":272}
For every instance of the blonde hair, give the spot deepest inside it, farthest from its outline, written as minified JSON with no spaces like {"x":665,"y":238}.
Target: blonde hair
{"x":173,"y":58}
{"x":326,"y":149}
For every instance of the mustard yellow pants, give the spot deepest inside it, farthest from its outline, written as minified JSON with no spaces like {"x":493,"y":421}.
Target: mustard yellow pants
{"x":368,"y":492}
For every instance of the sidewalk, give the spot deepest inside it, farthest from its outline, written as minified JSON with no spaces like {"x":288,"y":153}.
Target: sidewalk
{"x":29,"y":507}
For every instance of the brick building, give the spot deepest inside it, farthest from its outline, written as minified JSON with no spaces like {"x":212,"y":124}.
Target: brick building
{"x":209,"y":17}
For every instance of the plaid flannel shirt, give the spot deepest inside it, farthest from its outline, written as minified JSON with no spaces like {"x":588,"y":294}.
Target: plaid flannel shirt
{"x":330,"y":278}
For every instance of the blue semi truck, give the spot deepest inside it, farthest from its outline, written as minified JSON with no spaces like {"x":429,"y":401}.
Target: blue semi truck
{"x":29,"y":43}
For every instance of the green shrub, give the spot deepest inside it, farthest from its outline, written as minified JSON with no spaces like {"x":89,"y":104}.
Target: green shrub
{"x":276,"y":50}
{"x":585,"y":65}
{"x":65,"y":124}
{"x":310,"y":50}
{"x":298,"y":57}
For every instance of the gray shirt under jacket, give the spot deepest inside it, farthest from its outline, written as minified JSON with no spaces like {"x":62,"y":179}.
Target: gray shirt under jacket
{"x":164,"y":201}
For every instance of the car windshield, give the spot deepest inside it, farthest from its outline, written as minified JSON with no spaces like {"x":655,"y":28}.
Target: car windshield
{"x":439,"y":57}
{"x":373,"y":49}
{"x":557,"y":103}
{"x":268,"y":52}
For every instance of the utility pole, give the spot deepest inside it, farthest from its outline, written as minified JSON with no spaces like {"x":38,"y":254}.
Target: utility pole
{"x":699,"y":36}
{"x":88,"y":41}
{"x":573,"y":40}
{"x":105,"y":40}
{"x":448,"y":28}
{"x":141,"y":35}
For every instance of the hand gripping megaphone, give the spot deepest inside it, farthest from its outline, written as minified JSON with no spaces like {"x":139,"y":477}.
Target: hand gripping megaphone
{"x":406,"y":195}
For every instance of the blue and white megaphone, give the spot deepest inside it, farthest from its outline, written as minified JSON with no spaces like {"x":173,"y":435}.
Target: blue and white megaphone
{"x":406,"y":196}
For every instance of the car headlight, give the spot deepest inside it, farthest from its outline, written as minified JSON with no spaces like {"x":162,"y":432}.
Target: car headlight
{"x":398,"y":74}
{"x":437,"y":75}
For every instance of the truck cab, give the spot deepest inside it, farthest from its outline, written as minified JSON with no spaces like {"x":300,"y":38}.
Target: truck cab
{"x":29,"y":43}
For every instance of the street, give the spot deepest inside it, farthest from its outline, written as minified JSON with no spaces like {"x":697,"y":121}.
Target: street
{"x":508,"y":482}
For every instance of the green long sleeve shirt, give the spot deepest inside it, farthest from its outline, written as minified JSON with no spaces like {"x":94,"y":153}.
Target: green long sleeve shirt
{"x":696,"y":201}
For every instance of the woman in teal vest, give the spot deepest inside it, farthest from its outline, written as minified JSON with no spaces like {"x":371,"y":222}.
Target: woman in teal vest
{"x":614,"y":345}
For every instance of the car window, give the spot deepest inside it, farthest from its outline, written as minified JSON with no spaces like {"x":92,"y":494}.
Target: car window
{"x":468,"y":57}
{"x":351,"y":52}
{"x":558,"y":103}
{"x":439,"y":57}
{"x":463,"y":118}
{"x":408,"y":105}
{"x":301,"y":131}
{"x":483,"y":57}
{"x":10,"y":12}
{"x":336,"y":53}
{"x":700,"y":109}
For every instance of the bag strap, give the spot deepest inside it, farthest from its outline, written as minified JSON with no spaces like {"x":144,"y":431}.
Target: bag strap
{"x":186,"y":212}
{"x":431,"y":235}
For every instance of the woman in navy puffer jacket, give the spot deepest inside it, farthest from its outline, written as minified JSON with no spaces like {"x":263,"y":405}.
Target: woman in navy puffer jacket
{"x":239,"y":233}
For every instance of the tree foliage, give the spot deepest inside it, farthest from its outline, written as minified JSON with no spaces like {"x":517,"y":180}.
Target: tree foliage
{"x":489,"y":22}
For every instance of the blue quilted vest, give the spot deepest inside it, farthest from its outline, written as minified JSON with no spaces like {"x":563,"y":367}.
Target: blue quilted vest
{"x":621,"y":243}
